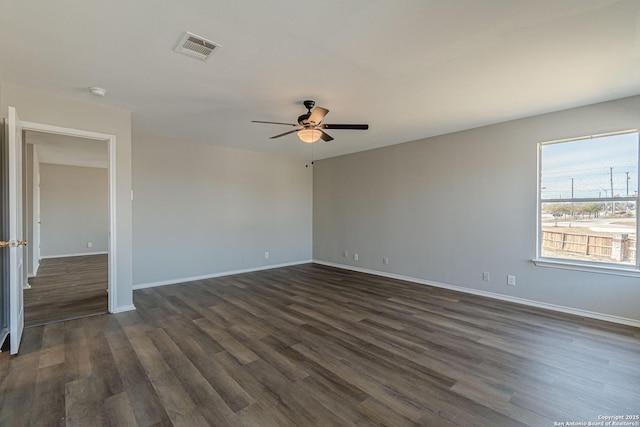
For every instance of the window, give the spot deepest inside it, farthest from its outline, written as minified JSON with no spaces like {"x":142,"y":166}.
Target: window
{"x":588,"y":201}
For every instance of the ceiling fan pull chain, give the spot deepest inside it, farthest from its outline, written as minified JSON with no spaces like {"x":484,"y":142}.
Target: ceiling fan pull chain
{"x":307,"y":165}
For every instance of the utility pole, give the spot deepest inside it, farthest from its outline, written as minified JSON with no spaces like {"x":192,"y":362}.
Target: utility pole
{"x":613,"y":204}
{"x":571,"y":188}
{"x":572,"y":197}
{"x":628,"y":178}
{"x":611,"y":178}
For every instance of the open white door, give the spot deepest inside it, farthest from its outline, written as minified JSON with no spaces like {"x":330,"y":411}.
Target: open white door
{"x":16,"y":242}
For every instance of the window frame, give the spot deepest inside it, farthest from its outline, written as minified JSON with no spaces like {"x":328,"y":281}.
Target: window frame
{"x":580,"y":265}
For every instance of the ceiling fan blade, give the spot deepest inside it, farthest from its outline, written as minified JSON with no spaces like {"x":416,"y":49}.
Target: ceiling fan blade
{"x":283,"y":134}
{"x":351,"y":127}
{"x":273,"y":123}
{"x":325,"y":136}
{"x":317,"y":115}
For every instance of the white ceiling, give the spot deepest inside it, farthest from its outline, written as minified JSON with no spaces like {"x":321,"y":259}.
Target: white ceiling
{"x":69,"y":150}
{"x":409,"y":68}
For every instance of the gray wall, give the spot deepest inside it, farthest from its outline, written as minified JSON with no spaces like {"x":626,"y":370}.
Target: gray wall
{"x":202,"y":210}
{"x":447,"y":208}
{"x":89,"y":115}
{"x":74,"y":210}
{"x":28,"y":171}
{"x":32,"y":208}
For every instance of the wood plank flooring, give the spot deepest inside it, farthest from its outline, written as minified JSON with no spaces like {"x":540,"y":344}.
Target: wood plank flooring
{"x":67,"y":288}
{"x":315,"y":346}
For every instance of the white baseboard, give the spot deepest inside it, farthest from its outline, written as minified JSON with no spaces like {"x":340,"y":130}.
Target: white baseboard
{"x":522,"y":301}
{"x":123,"y":308}
{"x":214,"y":275}
{"x":70,"y":255}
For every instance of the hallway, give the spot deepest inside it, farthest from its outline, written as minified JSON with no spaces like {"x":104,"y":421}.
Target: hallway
{"x":67,"y":288}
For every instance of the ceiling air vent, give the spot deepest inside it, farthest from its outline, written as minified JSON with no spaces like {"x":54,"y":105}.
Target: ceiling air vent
{"x":196,"y":46}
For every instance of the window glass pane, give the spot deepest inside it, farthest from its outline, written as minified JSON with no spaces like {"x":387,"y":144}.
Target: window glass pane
{"x":590,"y":168}
{"x":582,"y":232}
{"x":602,"y":229}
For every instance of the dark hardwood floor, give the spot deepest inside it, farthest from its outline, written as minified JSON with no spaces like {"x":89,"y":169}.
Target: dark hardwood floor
{"x":67,"y":288}
{"x":312,"y":345}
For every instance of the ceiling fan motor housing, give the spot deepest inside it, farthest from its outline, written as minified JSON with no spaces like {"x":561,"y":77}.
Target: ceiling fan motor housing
{"x":303,"y":120}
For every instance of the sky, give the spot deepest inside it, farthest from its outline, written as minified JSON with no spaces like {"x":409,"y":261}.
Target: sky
{"x":587,"y":161}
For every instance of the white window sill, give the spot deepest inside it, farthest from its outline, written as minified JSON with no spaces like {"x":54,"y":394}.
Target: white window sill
{"x":630,"y":271}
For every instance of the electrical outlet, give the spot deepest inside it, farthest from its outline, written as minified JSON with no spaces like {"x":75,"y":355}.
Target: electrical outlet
{"x":485,"y":276}
{"x":385,"y":260}
{"x":266,"y":254}
{"x":345,"y":254}
{"x":89,"y":244}
{"x":511,"y":280}
{"x":355,"y":257}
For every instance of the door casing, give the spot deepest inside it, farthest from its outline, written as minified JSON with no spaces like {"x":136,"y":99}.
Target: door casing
{"x":111,"y":142}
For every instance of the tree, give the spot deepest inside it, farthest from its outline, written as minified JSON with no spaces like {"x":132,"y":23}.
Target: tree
{"x":590,"y":208}
{"x":558,"y":210}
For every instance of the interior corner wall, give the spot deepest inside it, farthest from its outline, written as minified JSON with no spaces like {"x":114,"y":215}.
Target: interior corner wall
{"x":445,"y":209}
{"x":51,"y":109}
{"x":28,"y":171}
{"x":74,"y":210}
{"x":201,"y":210}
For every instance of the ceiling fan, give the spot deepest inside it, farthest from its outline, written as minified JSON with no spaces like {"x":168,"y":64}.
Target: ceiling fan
{"x":310,"y":127}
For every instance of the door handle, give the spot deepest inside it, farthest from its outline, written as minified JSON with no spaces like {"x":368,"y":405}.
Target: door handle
{"x":13,"y":243}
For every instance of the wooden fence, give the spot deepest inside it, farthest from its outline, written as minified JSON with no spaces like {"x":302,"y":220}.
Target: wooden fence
{"x":586,"y":244}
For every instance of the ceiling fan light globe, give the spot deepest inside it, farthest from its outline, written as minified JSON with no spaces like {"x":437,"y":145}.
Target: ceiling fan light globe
{"x":309,"y":135}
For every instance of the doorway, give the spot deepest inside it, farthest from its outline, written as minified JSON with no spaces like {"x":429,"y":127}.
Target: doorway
{"x":70,"y":221}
